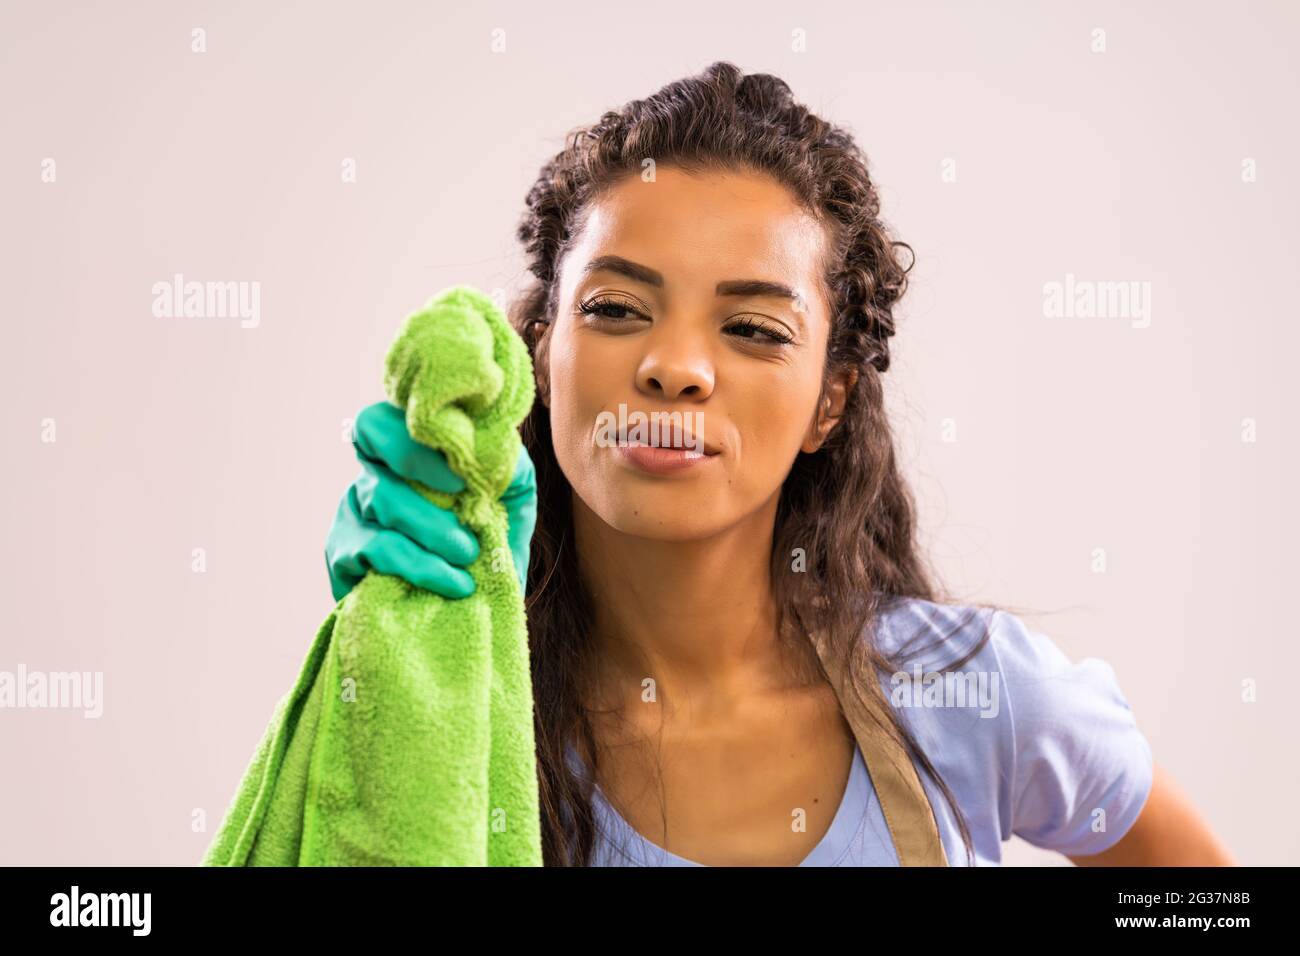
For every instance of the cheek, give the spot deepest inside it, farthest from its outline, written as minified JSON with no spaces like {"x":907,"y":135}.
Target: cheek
{"x":581,"y":384}
{"x":771,"y":415}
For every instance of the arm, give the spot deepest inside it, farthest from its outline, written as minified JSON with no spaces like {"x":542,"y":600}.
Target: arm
{"x":1168,"y":832}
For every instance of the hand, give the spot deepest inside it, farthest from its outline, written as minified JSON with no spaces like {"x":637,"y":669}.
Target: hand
{"x":520,"y":499}
{"x":385,"y":524}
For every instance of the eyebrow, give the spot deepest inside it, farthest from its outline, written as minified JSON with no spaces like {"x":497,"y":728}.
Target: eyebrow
{"x":736,"y":287}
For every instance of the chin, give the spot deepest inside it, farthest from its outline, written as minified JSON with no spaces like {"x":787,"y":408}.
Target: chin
{"x":670,"y":529}
{"x":664,"y":513}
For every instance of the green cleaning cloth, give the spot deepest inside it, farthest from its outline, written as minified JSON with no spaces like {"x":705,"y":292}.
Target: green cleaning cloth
{"x":408,"y":737}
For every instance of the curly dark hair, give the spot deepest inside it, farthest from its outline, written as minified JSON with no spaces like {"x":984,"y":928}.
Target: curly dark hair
{"x":846,"y":505}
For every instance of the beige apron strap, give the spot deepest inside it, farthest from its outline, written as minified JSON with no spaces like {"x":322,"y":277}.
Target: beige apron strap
{"x":903,"y":800}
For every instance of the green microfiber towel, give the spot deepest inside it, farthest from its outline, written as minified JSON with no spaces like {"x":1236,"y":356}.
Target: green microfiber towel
{"x":408,"y":737}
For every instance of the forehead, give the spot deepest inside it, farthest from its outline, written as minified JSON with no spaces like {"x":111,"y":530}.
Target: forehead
{"x":701,"y":228}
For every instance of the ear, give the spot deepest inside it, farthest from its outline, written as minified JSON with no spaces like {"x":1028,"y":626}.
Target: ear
{"x":830,"y":409}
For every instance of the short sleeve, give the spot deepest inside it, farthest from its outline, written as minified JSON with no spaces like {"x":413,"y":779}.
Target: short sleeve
{"x":1081,"y":768}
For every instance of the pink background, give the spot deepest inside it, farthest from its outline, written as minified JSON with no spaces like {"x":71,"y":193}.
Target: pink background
{"x":174,"y":434}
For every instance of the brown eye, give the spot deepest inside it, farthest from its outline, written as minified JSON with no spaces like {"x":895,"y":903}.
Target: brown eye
{"x":610,"y":309}
{"x":760,"y":332}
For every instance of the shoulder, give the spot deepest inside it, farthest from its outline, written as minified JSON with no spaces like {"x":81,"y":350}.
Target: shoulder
{"x":1037,"y":672}
{"x":1049,"y":744}
{"x":1082,"y":768}
{"x":914,"y":630}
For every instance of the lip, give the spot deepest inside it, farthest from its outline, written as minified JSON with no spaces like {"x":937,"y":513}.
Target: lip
{"x":679,"y":439}
{"x":662,"y":461}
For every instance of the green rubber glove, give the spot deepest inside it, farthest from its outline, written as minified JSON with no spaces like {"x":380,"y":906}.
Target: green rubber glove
{"x":385,"y":524}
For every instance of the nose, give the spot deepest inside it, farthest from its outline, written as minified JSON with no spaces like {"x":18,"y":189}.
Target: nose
{"x":676,"y":365}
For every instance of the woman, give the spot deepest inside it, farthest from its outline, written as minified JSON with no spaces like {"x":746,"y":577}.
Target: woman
{"x":715,"y":251}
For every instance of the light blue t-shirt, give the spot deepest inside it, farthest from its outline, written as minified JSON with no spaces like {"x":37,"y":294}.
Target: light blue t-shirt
{"x":1030,"y":744}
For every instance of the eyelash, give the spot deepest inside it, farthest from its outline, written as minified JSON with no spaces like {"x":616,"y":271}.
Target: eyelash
{"x":775,"y":335}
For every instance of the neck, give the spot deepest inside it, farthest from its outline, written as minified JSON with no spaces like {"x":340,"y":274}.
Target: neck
{"x":698,"y":617}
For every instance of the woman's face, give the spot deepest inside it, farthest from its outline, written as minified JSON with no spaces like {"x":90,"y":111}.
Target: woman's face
{"x":671,"y":300}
